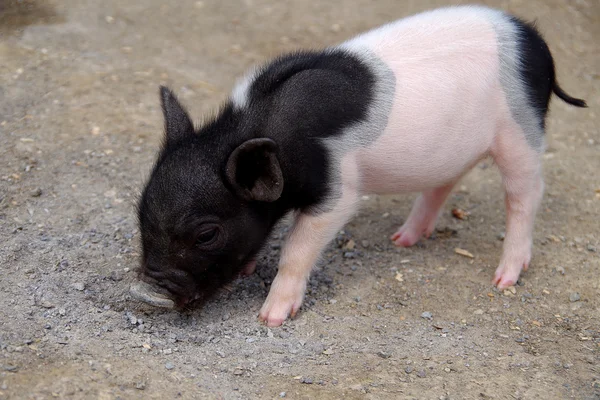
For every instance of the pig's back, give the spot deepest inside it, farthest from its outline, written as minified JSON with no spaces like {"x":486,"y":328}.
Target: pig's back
{"x":448,"y":100}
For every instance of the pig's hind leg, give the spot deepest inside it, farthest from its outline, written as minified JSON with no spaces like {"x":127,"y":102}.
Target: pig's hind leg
{"x":520,"y":166}
{"x":423,"y":216}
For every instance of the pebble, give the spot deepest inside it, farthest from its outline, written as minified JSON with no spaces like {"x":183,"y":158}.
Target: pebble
{"x":383,"y":354}
{"x":282,"y":394}
{"x":238,"y":371}
{"x":226,"y":316}
{"x":408,"y":369}
{"x":78,"y":286}
{"x":427,"y":315}
{"x":116,"y":275}
{"x":560,"y":270}
{"x":307,"y":381}
{"x":9,"y":368}
{"x":573,"y":297}
{"x":37,"y":192}
{"x":421,"y":374}
{"x":140,"y":385}
{"x":169,"y":365}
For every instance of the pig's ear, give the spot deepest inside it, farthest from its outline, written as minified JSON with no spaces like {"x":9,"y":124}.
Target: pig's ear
{"x":253,"y":171}
{"x":178,"y":124}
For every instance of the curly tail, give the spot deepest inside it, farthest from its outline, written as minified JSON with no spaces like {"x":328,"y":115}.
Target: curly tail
{"x":565,"y":97}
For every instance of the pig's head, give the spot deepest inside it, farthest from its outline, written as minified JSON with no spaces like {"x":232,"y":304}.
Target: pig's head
{"x":207,"y":208}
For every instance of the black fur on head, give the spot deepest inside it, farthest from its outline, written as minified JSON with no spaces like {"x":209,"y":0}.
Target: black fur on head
{"x":208,"y":206}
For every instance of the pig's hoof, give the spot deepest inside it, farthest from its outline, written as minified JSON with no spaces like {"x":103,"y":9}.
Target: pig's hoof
{"x":248,"y":268}
{"x":284,"y":299}
{"x":405,"y":238}
{"x":508,"y":274}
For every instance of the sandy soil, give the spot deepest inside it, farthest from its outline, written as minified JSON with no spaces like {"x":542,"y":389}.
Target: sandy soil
{"x":79,"y":127}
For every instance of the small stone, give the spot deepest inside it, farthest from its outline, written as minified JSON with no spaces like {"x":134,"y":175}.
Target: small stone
{"x":133,"y":320}
{"x":350,"y":245}
{"x":140,"y":385}
{"x":307,"y":381}
{"x":169,"y":365}
{"x":501,"y":236}
{"x":408,"y":369}
{"x":9,"y":368}
{"x":116,"y":275}
{"x":226,"y":316}
{"x":78,"y":286}
{"x":427,"y":315}
{"x":282,"y":394}
{"x":62,"y":311}
{"x":365,"y":243}
{"x":573,"y":297}
{"x":591,"y":248}
{"x":421,"y":374}
{"x":238,"y":371}
{"x":167,"y":351}
{"x":46,"y":304}
{"x":383,"y":354}
{"x":37,"y":192}
{"x":560,"y":270}
{"x":447,"y":369}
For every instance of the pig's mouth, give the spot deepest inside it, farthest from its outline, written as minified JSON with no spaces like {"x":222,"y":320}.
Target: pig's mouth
{"x":152,"y":294}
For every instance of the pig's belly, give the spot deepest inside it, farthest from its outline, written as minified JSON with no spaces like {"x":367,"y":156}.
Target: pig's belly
{"x":414,"y":154}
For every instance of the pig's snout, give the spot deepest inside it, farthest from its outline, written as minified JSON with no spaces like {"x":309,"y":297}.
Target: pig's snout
{"x":144,"y":292}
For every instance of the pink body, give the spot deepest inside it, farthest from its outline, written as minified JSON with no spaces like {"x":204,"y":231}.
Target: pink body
{"x":451,"y":107}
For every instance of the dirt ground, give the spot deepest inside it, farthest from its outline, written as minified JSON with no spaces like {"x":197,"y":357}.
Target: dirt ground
{"x":79,"y":127}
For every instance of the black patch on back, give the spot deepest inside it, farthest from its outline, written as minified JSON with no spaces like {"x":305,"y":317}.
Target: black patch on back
{"x":299,"y":99}
{"x":537,"y":66}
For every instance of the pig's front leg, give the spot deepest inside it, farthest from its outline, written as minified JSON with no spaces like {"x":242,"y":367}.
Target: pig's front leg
{"x":309,"y":236}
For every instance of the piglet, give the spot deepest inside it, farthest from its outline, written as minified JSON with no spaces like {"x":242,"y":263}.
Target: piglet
{"x":408,"y":107}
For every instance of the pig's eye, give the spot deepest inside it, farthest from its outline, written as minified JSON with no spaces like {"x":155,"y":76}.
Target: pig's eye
{"x":207,"y":236}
